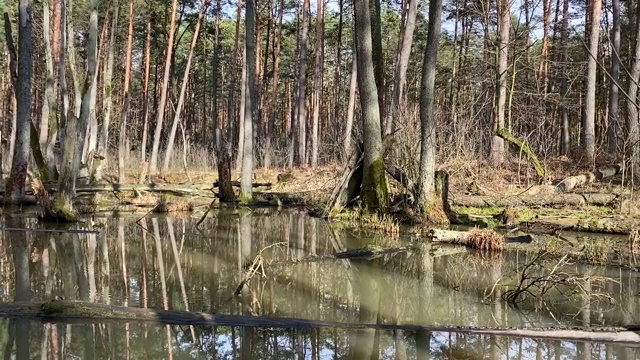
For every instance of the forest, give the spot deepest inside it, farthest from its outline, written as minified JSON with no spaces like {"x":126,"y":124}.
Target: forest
{"x":102,"y":89}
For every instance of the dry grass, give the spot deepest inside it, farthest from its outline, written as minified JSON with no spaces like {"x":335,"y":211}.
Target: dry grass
{"x":484,"y":240}
{"x":165,"y":205}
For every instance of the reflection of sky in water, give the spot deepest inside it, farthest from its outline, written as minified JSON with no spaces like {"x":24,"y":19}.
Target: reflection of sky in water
{"x":407,"y":288}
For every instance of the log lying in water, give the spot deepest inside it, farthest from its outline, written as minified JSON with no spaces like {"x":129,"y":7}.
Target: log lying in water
{"x":84,"y":312}
{"x":454,"y":236}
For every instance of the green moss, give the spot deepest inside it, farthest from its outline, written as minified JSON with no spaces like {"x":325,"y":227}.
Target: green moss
{"x":245,"y":199}
{"x":374,"y":193}
{"x":52,"y":307}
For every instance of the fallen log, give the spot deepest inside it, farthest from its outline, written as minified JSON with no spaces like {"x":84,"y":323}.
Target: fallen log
{"x":571,"y":182}
{"x":559,"y":199}
{"x":62,"y":311}
{"x":183,"y":189}
{"x":456,"y":236}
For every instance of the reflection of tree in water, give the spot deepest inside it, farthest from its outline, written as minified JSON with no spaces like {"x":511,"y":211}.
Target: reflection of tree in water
{"x":169,"y":264}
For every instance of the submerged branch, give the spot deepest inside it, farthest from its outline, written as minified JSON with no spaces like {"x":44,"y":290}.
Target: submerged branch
{"x":85,"y":312}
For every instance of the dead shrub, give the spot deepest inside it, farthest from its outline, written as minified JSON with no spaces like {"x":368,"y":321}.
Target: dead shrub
{"x":165,"y":205}
{"x":485,"y":240}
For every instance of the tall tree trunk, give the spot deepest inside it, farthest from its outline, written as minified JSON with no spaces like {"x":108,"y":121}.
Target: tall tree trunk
{"x":565,"y":140}
{"x":612,"y":136}
{"x":589,"y":130}
{"x":317,"y":81}
{"x":145,"y":91}
{"x":123,"y":149}
{"x":544,"y":64}
{"x":377,"y":53}
{"x":49,"y":110}
{"x":21,"y":78}
{"x":404,"y":55}
{"x":183,"y":90}
{"x":273,"y":98}
{"x":427,"y":111}
{"x":632,"y":103}
{"x":243,"y":98}
{"x":497,"y":143}
{"x":246,"y":191}
{"x":351,"y":107}
{"x":107,"y":100}
{"x":153,"y":163}
{"x":374,"y":186}
{"x":301,"y":103}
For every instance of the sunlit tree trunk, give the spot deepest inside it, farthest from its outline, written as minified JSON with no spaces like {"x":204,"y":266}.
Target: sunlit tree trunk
{"x":589,"y":130}
{"x":73,"y":143}
{"x":123,"y":149}
{"x":348,"y":129}
{"x":403,"y":57}
{"x":107,"y":100}
{"x":377,"y":52}
{"x":153,"y":163}
{"x":427,"y":111}
{"x":612,"y":136}
{"x":21,"y":67}
{"x":565,"y":140}
{"x":632,"y":105}
{"x":183,"y":90}
{"x":49,"y":106}
{"x":145,"y":91}
{"x":246,"y":182}
{"x":374,"y":191}
{"x":273,"y":98}
{"x":497,"y":143}
{"x":317,"y":81}
{"x":301,"y":99}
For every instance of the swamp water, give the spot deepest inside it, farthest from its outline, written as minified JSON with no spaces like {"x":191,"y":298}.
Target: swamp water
{"x":166,"y":262}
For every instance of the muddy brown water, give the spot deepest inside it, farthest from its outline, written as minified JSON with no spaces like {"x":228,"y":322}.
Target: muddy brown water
{"x":166,"y":262}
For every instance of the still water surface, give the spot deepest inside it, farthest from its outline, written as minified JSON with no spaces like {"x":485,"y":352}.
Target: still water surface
{"x":166,"y":262}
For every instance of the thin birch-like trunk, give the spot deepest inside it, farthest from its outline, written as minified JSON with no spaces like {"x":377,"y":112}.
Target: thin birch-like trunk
{"x":153,"y":163}
{"x":183,"y":90}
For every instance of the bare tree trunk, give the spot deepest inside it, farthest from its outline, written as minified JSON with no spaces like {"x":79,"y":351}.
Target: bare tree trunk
{"x":183,"y":90}
{"x":63,"y":206}
{"x":374,"y":186}
{"x":145,"y":91}
{"x":123,"y":149}
{"x":273,"y":99}
{"x":317,"y":81}
{"x":153,"y":163}
{"x":632,"y":105}
{"x":404,"y":55}
{"x":21,"y":66}
{"x":49,"y":110}
{"x":246,"y":190}
{"x":612,"y":136}
{"x":107,"y":100}
{"x":243,"y":99}
{"x":348,"y":129}
{"x":427,"y":118}
{"x":301,"y":104}
{"x":565,"y":141}
{"x":497,"y":143}
{"x":589,"y":131}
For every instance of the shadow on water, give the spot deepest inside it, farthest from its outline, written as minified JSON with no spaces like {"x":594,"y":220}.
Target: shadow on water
{"x":166,"y":263}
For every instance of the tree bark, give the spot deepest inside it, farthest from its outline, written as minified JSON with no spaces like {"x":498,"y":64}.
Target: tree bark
{"x":565,"y":140}
{"x":246,"y":191}
{"x":153,"y":163}
{"x":123,"y":149}
{"x":404,"y":55}
{"x":633,"y":104}
{"x":21,"y":77}
{"x":145,"y":91}
{"x":107,"y":99}
{"x":497,"y":143}
{"x":317,"y":81}
{"x":426,"y":196}
{"x":301,"y":98}
{"x":351,"y":107}
{"x":183,"y":89}
{"x":612,"y":136}
{"x":374,"y":187}
{"x":589,"y":130}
